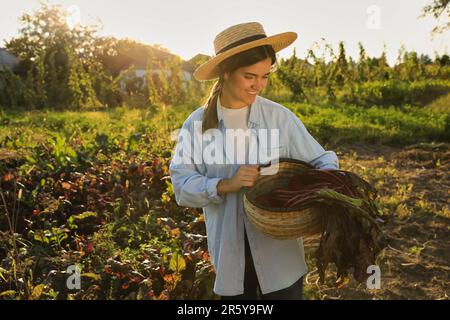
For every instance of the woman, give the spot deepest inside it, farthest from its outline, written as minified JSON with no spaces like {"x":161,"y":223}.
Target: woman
{"x":248,"y":264}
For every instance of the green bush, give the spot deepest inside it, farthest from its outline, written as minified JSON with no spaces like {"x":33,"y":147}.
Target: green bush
{"x":393,"y":92}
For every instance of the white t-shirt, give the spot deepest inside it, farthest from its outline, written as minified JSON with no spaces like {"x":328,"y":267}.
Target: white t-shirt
{"x":237,"y":119}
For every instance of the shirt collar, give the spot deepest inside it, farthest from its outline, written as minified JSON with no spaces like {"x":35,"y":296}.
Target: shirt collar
{"x":253,"y":119}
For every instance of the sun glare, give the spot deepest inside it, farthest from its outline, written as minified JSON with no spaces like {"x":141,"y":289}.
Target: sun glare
{"x":73,"y":16}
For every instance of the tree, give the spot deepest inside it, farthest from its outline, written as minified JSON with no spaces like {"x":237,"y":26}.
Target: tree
{"x":443,"y":60}
{"x":176,"y":89}
{"x":342,"y":70}
{"x":438,"y":8}
{"x":291,"y":75}
{"x":152,"y":92}
{"x":59,"y":59}
{"x":362,"y":67}
{"x":46,"y":28}
{"x":383,"y":66}
{"x":196,"y":90}
{"x":425,"y":59}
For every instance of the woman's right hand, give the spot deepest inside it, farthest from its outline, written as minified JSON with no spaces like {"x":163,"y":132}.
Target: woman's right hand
{"x":244,"y":177}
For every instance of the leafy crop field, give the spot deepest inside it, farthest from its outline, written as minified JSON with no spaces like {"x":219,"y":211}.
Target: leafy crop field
{"x":92,"y":190}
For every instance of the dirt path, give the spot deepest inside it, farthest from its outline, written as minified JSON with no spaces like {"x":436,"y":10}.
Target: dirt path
{"x":414,"y":184}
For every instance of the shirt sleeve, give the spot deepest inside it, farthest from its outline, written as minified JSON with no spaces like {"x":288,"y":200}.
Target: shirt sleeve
{"x":303,"y":146}
{"x":191,"y":187}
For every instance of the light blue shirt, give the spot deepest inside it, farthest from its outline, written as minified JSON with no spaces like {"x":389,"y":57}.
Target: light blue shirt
{"x":278,"y":263}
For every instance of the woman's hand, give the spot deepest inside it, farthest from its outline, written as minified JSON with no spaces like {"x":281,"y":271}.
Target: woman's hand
{"x":244,"y":177}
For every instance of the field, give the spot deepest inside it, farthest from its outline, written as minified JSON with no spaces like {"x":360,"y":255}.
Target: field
{"x":413,"y":184}
{"x":92,"y":190}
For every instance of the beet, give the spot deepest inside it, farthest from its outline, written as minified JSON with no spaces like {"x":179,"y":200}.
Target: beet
{"x":351,"y":238}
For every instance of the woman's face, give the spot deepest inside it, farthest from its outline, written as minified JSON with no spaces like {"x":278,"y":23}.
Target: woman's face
{"x":242,"y":85}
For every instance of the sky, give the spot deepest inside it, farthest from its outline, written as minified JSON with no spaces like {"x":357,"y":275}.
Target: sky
{"x":188,"y":28}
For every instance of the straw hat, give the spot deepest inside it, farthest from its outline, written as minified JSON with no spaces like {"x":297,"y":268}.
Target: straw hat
{"x":239,"y":38}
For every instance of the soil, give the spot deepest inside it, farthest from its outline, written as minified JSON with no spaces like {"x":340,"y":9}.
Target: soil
{"x":416,"y":262}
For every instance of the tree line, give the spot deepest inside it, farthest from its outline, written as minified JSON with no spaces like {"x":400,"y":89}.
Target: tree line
{"x":74,"y":68}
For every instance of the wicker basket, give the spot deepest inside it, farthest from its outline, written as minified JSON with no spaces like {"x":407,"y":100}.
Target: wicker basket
{"x":282,"y":223}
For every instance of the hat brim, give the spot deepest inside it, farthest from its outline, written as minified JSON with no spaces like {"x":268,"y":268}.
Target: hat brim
{"x":209,"y":70}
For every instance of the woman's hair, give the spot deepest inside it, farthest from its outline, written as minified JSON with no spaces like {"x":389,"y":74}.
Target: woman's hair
{"x":242,"y":59}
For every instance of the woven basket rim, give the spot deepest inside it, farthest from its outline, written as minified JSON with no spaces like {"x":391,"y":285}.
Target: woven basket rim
{"x":276,"y":209}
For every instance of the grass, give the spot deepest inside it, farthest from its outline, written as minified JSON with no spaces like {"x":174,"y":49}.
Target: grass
{"x":393,"y":125}
{"x":127,"y":132}
{"x":328,"y":124}
{"x":440,"y":105}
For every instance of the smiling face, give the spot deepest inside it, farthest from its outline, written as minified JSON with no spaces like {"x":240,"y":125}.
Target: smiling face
{"x":243,"y":85}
